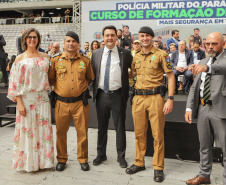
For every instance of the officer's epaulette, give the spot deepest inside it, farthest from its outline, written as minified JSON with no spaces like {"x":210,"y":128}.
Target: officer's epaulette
{"x":58,"y":54}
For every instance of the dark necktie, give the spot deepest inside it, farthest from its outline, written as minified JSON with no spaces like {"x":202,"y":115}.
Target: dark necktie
{"x":107,"y":73}
{"x":206,"y":91}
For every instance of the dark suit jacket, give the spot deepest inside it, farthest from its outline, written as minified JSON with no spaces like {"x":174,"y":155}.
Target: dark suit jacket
{"x":2,"y":51}
{"x":201,"y":54}
{"x":123,"y":43}
{"x":171,"y":40}
{"x":125,"y":63}
{"x":175,"y":56}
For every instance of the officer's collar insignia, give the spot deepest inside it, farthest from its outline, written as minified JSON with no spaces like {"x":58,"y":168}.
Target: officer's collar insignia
{"x":82,"y":65}
{"x":50,"y":63}
{"x":153,"y":57}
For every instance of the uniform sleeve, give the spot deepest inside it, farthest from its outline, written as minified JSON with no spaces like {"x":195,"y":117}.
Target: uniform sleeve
{"x":89,"y":72}
{"x":133,"y":65}
{"x":165,"y":62}
{"x":16,"y":81}
{"x":52,"y":72}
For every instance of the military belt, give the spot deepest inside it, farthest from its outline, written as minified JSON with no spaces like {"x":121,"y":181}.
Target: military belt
{"x":69,"y":100}
{"x":148,"y":92}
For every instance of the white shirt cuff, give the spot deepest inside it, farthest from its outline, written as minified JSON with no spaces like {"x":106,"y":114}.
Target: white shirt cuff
{"x":188,"y":110}
{"x":209,"y":68}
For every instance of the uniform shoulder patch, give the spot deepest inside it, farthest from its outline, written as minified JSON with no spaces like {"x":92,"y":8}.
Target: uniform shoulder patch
{"x":169,"y":66}
{"x":168,"y":63}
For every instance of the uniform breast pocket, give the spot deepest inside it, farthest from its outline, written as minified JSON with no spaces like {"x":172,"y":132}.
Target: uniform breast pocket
{"x":152,"y":68}
{"x":81,"y":73}
{"x":138,"y":68}
{"x":61,"y":74}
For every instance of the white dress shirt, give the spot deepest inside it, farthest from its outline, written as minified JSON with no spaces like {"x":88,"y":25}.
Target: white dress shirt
{"x":195,"y":56}
{"x":176,"y":41}
{"x":203,"y":76}
{"x":115,"y":70}
{"x":182,"y":62}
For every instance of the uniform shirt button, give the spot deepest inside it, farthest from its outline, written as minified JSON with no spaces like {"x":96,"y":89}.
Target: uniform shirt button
{"x":72,"y":80}
{"x":72,"y":88}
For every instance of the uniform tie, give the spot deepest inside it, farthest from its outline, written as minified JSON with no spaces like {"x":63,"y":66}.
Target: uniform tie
{"x":206,"y":92}
{"x":107,"y":73}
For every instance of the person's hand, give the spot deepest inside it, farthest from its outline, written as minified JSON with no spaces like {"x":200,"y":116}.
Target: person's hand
{"x":184,"y":69}
{"x":196,"y":69}
{"x":22,"y":110}
{"x":179,"y":69}
{"x":188,"y":117}
{"x":168,"y":107}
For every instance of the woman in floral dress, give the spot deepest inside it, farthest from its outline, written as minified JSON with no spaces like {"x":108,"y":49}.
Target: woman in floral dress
{"x":29,"y":87}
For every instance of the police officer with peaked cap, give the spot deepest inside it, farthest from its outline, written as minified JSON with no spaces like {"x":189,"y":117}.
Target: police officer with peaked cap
{"x":70,"y":73}
{"x":149,"y":65}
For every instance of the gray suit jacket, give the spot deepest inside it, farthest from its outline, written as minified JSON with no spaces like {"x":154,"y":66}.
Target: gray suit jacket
{"x":125,"y":63}
{"x":217,"y":87}
{"x":175,"y":57}
{"x":19,"y":45}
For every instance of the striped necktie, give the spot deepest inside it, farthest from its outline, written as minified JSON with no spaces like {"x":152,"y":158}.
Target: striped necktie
{"x":107,"y":73}
{"x":206,"y":91}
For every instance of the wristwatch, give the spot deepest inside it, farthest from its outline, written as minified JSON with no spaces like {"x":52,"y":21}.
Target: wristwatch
{"x":171,"y":97}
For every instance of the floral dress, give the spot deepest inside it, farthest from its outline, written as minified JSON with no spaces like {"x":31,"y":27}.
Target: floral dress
{"x":33,"y":139}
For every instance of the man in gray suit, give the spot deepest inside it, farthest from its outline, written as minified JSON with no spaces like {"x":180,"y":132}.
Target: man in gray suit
{"x":206,"y":102}
{"x":19,"y":43}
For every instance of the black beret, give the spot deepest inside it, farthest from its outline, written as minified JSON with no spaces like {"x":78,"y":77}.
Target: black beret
{"x":73,"y":35}
{"x":148,"y":30}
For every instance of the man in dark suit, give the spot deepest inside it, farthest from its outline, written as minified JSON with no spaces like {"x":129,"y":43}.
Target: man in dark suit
{"x":3,"y":60}
{"x":173,"y":39}
{"x":110,"y":90}
{"x":181,"y":59}
{"x":206,"y":103}
{"x":197,"y":53}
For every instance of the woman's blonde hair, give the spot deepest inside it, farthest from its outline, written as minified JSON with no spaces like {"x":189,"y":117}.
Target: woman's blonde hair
{"x":25,"y":36}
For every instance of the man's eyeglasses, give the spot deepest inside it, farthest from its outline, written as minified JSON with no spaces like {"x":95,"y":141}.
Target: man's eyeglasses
{"x":32,"y":37}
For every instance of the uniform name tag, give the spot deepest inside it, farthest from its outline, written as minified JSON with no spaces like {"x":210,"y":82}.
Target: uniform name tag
{"x":61,"y":67}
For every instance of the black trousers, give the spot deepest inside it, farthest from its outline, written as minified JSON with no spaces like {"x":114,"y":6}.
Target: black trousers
{"x":3,"y":69}
{"x":107,"y":104}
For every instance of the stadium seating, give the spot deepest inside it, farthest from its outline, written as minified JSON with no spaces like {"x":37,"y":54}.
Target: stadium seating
{"x":56,"y":31}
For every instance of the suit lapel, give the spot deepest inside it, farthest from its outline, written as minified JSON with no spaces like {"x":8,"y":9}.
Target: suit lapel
{"x":120,"y":52}
{"x":223,"y":55}
{"x":99,"y":58}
